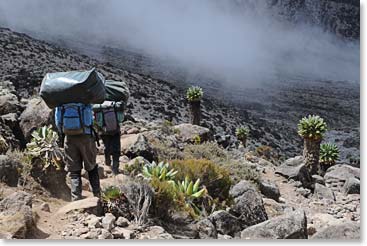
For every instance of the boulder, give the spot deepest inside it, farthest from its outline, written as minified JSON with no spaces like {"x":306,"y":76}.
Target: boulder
{"x":318,"y":179}
{"x":321,"y":221}
{"x":134,"y":166}
{"x":155,"y":232}
{"x":323,"y":192}
{"x":9,"y":102}
{"x":187,"y":133}
{"x":90,"y":205}
{"x":122,"y":222}
{"x":122,"y":233}
{"x":9,"y":171}
{"x":105,"y":234}
{"x":294,"y":168}
{"x":269,"y":189}
{"x":137,"y":145}
{"x":345,"y":231}
{"x":108,"y":221}
{"x":289,"y":226}
{"x":16,"y":218}
{"x":351,"y":186}
{"x":7,"y":138}
{"x":337,"y":175}
{"x":225,"y":223}
{"x":248,"y":204}
{"x":206,"y":229}
{"x":36,"y":115}
{"x":114,"y":181}
{"x":273,"y":208}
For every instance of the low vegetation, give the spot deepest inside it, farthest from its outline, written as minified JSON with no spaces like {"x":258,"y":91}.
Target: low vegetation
{"x":194,"y":93}
{"x":329,"y":154}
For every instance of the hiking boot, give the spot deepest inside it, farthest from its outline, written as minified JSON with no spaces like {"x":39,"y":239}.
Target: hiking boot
{"x":115,"y":165}
{"x":76,"y":185}
{"x":94,"y":181}
{"x":107,"y":160}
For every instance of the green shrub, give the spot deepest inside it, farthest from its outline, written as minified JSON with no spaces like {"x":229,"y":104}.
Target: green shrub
{"x":329,"y":154}
{"x":312,"y":127}
{"x":44,"y":146}
{"x":213,"y":177}
{"x":208,"y":150}
{"x":161,"y":171}
{"x":166,"y":200}
{"x":241,"y":171}
{"x":242,"y":133}
{"x":194,"y":93}
{"x":197,"y":140}
{"x":264,"y":151}
{"x":115,"y":202}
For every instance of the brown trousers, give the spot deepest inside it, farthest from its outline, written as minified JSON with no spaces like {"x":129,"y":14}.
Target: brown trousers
{"x":79,"y":150}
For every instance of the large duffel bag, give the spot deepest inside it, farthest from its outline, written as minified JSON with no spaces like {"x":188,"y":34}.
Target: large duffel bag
{"x":86,"y":87}
{"x":117,"y":91}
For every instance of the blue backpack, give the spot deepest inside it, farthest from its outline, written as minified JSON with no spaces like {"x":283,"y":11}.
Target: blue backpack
{"x":74,"y":118}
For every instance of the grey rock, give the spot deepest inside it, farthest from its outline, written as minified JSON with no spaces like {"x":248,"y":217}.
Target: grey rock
{"x":241,"y":188}
{"x":269,"y":189}
{"x":290,"y":226}
{"x":323,"y":192}
{"x":105,"y":234}
{"x":36,"y":115}
{"x":108,"y":221}
{"x":81,"y":231}
{"x":206,"y":229}
{"x":225,"y":223}
{"x":93,"y":234}
{"x":304,"y":191}
{"x":248,"y":205}
{"x":90,"y":205}
{"x":187,"y":132}
{"x":294,"y":168}
{"x":155,"y":232}
{"x":9,"y":171}
{"x":224,"y":237}
{"x":348,"y":230}
{"x":318,"y":179}
{"x":45,"y":207}
{"x":16,"y":217}
{"x":94,"y":222}
{"x":137,"y":145}
{"x":122,"y":233}
{"x":352,"y":186}
{"x":122,"y":222}
{"x":9,"y":102}
{"x":337,"y":175}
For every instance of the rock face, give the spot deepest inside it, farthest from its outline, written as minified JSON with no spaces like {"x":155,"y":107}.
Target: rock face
{"x":294,"y":168}
{"x":290,"y":226}
{"x":9,"y":171}
{"x":248,"y":204}
{"x":269,"y":189}
{"x":225,"y":223}
{"x":36,"y":115}
{"x":343,"y":231}
{"x":352,"y":186}
{"x":187,"y":132}
{"x":137,"y":145}
{"x":16,"y":219}
{"x":337,"y":175}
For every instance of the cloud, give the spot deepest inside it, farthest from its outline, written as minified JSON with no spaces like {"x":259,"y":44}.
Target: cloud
{"x":244,"y":45}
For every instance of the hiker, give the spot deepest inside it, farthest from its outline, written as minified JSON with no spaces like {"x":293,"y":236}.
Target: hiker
{"x":75,"y":122}
{"x":108,"y":117}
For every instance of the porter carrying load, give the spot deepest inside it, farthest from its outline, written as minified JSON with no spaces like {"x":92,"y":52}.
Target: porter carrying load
{"x":117,"y":91}
{"x":87,"y":87}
